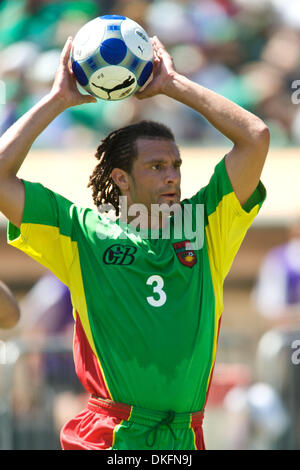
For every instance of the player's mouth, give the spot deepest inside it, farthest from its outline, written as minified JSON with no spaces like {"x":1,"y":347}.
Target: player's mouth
{"x":170,"y":195}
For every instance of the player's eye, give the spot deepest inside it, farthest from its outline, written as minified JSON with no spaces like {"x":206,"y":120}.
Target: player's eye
{"x":156,"y":167}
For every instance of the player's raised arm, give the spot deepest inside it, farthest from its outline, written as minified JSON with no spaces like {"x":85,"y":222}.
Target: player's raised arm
{"x":16,"y":142}
{"x":9,"y":308}
{"x":249,"y":134}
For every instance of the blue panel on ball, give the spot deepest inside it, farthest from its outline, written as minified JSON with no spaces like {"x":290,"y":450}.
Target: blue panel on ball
{"x":113,"y":27}
{"x":79,"y":74}
{"x":147,"y":70}
{"x":113,"y":17}
{"x":113,"y":50}
{"x":134,"y":64}
{"x":92,"y":63}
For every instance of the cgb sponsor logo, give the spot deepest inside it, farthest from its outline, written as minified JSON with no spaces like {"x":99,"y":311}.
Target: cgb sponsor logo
{"x":119,"y":255}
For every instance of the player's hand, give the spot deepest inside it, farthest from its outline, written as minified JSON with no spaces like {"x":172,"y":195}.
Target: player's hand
{"x":163,"y":71}
{"x":65,"y":86}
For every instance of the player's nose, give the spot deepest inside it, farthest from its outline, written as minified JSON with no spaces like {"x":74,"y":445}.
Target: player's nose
{"x":172,"y":176}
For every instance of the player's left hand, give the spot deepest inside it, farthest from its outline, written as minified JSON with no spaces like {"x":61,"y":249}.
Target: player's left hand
{"x":64,"y":86}
{"x":163,"y":71}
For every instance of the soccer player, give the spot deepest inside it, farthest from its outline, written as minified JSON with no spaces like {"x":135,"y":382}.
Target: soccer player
{"x":9,"y":308}
{"x":147,"y":310}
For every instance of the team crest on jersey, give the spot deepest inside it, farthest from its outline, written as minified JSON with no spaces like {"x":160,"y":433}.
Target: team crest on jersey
{"x":186,"y":256}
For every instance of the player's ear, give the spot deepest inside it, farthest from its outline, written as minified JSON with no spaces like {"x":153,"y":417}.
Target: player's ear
{"x":120,"y":178}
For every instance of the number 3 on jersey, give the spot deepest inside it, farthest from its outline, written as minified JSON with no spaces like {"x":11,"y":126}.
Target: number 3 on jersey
{"x":157,"y":289}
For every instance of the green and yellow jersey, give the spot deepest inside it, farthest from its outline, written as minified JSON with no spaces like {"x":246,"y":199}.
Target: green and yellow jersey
{"x":147,"y":311}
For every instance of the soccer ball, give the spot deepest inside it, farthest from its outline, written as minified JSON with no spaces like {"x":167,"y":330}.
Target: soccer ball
{"x":112,"y":57}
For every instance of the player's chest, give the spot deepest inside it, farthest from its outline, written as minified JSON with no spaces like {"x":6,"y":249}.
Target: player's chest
{"x":148,"y":255}
{"x":156,"y":274}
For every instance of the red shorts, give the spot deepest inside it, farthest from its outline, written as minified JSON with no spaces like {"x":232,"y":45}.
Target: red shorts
{"x":107,"y":425}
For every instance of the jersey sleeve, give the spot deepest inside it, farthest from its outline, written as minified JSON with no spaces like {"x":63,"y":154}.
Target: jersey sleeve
{"x":226,"y":222}
{"x":46,"y":231}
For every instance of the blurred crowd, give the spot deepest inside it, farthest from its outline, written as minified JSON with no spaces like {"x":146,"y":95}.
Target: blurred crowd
{"x":249,"y":51}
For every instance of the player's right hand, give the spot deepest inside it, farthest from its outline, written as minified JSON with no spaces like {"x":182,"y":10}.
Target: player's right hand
{"x":65,"y":85}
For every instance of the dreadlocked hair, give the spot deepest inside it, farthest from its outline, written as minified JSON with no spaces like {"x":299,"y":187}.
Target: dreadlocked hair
{"x":119,"y":150}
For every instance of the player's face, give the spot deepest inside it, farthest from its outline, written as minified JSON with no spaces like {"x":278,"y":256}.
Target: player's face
{"x":155,"y":177}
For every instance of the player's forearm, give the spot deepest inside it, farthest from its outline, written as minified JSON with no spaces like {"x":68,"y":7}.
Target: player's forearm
{"x":16,"y":142}
{"x":237,"y":124}
{"x":9,"y":318}
{"x":9,"y":309}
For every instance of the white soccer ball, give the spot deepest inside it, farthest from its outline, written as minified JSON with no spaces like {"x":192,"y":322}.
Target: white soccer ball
{"x":112,"y":57}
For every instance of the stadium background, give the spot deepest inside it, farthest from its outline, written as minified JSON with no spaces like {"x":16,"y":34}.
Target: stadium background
{"x":248,"y":52}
